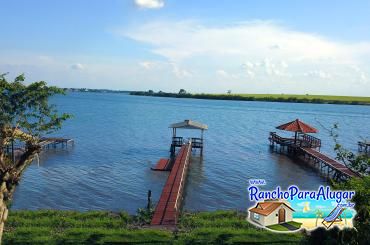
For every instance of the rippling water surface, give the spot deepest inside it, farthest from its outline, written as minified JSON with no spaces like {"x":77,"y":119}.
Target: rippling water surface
{"x":118,"y":137}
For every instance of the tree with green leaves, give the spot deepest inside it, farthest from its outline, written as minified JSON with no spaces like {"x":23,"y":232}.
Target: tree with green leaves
{"x":360,"y":233}
{"x":182,"y":91}
{"x":357,"y":162}
{"x":25,"y":116}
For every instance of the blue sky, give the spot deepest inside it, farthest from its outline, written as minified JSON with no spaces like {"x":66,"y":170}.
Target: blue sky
{"x":315,"y":47}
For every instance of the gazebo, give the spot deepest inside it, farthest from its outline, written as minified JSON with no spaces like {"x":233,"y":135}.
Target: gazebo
{"x":187,"y":124}
{"x":297,"y":126}
{"x":301,"y":131}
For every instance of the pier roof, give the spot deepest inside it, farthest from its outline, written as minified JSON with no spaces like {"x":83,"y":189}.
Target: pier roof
{"x":189,"y":124}
{"x":297,"y":126}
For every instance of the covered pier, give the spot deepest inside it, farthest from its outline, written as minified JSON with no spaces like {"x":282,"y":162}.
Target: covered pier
{"x":308,"y":146}
{"x":169,"y":206}
{"x":178,"y":141}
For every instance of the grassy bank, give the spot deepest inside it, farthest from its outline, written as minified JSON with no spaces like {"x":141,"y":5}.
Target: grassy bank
{"x":317,"y":99}
{"x":97,"y":227}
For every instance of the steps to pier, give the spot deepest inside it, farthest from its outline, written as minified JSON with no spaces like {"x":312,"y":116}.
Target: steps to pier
{"x":162,"y":165}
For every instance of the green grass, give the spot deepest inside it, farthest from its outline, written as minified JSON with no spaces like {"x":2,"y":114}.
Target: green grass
{"x":309,"y":96}
{"x":55,"y":227}
{"x":318,"y":99}
{"x":299,"y":98}
{"x":279,"y":227}
{"x":295,"y":224}
{"x":98,"y":227}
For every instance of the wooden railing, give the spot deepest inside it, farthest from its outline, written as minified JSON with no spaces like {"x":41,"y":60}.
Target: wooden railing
{"x":177,"y":141}
{"x":196,"y":142}
{"x":306,"y":140}
{"x":303,"y":140}
{"x":280,"y":140}
{"x":182,"y":178}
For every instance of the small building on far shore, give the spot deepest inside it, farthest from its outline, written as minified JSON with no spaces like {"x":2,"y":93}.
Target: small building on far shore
{"x":271,"y":212}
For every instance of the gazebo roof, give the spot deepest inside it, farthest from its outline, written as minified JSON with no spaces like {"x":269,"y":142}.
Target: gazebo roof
{"x":297,"y":126}
{"x":188,"y":124}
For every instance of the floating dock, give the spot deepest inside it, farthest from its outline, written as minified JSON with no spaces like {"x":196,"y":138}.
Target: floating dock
{"x":168,"y":208}
{"x":309,"y":147}
{"x":162,"y":165}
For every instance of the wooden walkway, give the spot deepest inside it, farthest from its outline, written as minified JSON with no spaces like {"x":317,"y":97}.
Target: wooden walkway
{"x":16,"y":151}
{"x":307,"y":146}
{"x":332,"y":166}
{"x":168,"y":208}
{"x":46,"y":143}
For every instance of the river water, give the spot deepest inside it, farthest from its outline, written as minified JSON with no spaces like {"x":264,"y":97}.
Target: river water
{"x":118,"y":137}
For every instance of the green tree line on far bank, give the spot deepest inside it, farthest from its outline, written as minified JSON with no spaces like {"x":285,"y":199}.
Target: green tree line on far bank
{"x":315,"y":99}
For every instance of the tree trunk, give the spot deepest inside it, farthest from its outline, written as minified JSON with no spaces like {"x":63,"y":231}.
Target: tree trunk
{"x":10,"y":177}
{"x":3,"y":208}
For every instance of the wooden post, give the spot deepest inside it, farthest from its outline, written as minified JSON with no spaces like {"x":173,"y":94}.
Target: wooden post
{"x":149,"y":205}
{"x":201,"y":148}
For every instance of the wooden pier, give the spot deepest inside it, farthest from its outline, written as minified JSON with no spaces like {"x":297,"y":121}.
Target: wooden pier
{"x":17,"y":148}
{"x":47,"y":143}
{"x":309,"y":147}
{"x":168,"y":208}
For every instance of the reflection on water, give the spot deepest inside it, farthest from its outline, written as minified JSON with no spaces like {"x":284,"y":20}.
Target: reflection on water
{"x":118,"y":137}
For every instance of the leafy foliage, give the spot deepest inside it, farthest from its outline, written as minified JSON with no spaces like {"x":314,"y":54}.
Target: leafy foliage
{"x":358,"y":162}
{"x":27,"y":107}
{"x":25,"y":115}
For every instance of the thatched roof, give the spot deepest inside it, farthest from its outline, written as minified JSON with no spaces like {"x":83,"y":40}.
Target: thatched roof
{"x":188,"y":124}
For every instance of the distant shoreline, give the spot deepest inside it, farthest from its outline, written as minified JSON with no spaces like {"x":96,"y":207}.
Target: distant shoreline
{"x":289,"y":98}
{"x":313,"y":99}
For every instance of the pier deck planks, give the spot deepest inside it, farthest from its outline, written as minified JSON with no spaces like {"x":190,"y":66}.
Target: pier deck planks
{"x":168,"y":208}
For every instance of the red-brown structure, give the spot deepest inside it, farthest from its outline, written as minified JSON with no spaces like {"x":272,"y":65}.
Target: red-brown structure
{"x":169,"y":205}
{"x":309,"y":146}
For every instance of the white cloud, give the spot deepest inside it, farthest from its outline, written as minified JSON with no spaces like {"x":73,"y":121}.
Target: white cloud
{"x":150,"y":4}
{"x":222,"y":73}
{"x":147,"y":64}
{"x":275,"y":46}
{"x":267,"y":67}
{"x":181,"y":40}
{"x":78,"y":66}
{"x":253,"y":57}
{"x":179,"y":72}
{"x":363,"y":76}
{"x":318,"y":74}
{"x":274,"y":58}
